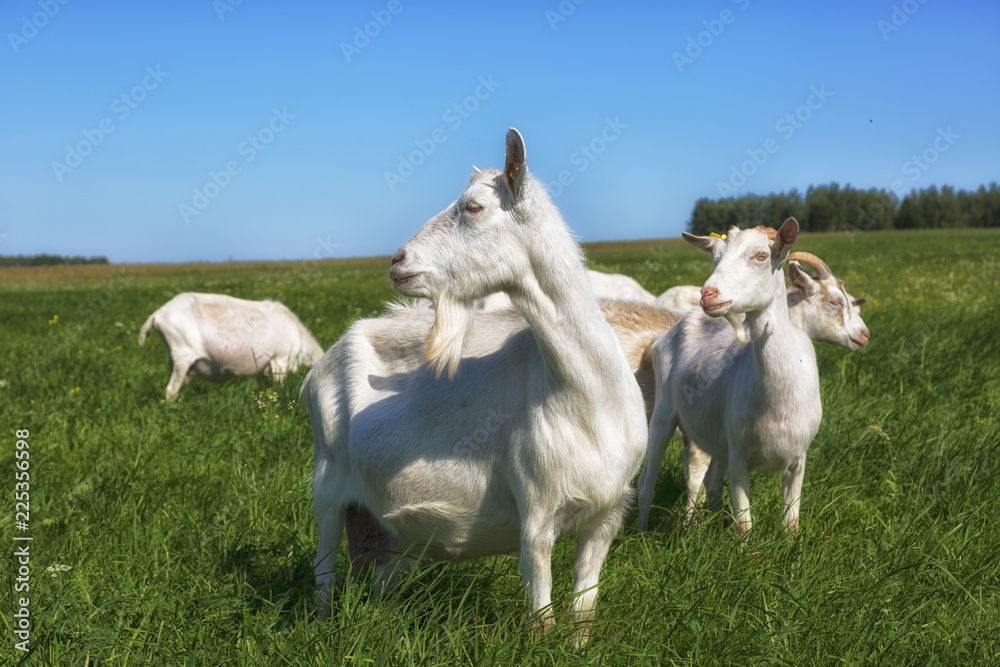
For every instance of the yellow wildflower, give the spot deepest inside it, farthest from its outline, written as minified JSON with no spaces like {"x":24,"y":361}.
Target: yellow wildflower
{"x":878,"y":429}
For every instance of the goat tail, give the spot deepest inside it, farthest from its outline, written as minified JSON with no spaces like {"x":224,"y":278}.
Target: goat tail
{"x":145,"y":329}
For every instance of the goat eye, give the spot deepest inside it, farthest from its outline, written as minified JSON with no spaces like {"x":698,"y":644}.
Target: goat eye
{"x":473,"y":207}
{"x":761,"y":256}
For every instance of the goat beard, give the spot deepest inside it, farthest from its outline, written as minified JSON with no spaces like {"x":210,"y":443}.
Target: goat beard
{"x":741,"y":331}
{"x":452,"y":323}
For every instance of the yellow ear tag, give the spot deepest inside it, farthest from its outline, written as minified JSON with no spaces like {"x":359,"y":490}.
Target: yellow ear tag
{"x":718,"y":236}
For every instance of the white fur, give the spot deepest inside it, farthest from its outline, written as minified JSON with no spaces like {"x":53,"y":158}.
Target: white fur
{"x":751,"y":408}
{"x":217,"y":336}
{"x":612,"y":286}
{"x":619,"y":287}
{"x":820,"y":307}
{"x":539,"y":430}
{"x":680,"y":297}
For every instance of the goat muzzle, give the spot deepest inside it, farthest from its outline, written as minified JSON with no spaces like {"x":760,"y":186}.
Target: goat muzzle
{"x":709,"y":299}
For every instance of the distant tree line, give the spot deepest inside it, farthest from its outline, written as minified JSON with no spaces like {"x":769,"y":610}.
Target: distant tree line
{"x":48,"y":260}
{"x":827,"y":208}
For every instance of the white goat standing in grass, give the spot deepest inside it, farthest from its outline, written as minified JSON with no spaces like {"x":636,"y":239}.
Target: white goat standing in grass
{"x":217,"y":336}
{"x":750,"y":407}
{"x":820,"y":307}
{"x":558,"y":409}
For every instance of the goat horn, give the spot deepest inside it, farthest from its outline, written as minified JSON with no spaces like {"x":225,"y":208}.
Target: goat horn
{"x":822,"y":270}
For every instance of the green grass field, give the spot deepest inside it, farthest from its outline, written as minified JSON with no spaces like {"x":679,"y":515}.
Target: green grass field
{"x":182,"y":534}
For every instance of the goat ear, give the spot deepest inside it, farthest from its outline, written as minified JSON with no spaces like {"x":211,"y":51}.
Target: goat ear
{"x":801,"y":278}
{"x":860,"y":302}
{"x":703,"y":243}
{"x":784,"y":239}
{"x":515,"y":167}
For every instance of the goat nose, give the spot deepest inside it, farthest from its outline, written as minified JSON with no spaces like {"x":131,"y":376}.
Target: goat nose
{"x":863,"y":338}
{"x":398,"y":257}
{"x":709,"y":293}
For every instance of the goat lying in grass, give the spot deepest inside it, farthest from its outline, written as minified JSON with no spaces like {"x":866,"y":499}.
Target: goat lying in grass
{"x":216,"y":336}
{"x":557,"y":411}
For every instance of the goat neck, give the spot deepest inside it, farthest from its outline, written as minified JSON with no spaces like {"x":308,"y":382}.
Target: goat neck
{"x":557,"y":300}
{"x":772,"y":334}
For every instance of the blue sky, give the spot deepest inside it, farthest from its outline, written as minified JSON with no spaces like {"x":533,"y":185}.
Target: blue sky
{"x":182,"y":131}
